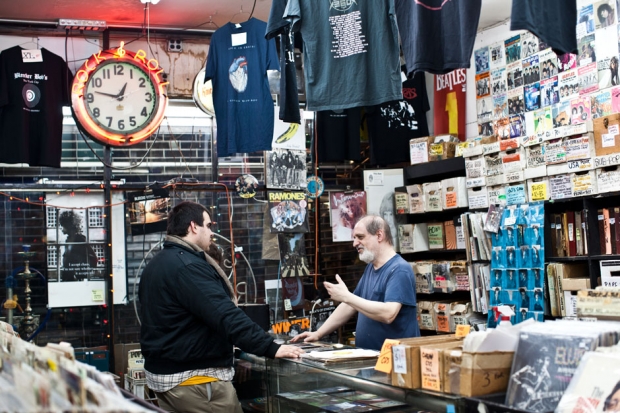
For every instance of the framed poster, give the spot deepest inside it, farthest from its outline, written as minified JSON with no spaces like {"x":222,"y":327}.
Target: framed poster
{"x":76,"y":261}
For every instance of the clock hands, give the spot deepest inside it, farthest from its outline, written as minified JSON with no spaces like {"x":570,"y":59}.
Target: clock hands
{"x":118,"y":96}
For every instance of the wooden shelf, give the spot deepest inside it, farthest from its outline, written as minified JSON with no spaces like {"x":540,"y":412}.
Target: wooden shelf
{"x":432,"y":216}
{"x":434,"y":171}
{"x":567,"y":259}
{"x":435,"y":252}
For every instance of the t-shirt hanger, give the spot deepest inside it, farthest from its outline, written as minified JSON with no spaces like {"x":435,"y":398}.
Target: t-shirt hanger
{"x":240,"y":13}
{"x":31,"y":42}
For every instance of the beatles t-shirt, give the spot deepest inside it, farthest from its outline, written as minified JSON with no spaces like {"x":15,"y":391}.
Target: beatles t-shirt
{"x":31,"y":99}
{"x":391,"y":125}
{"x":552,"y":21}
{"x":239,"y":57}
{"x":437,"y":36}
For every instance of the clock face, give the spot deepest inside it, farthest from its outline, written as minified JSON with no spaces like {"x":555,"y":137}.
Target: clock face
{"x":120,"y":97}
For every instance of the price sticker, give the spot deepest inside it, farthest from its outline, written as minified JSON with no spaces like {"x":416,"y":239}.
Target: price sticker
{"x":384,"y":362}
{"x":451,"y":200}
{"x":31,"y":56}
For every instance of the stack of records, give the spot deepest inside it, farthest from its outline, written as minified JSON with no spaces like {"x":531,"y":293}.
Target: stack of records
{"x":547,"y":357}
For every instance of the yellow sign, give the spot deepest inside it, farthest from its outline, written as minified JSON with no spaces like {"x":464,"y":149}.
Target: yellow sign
{"x":97,"y":295}
{"x":539,"y":192}
{"x":462,"y":330}
{"x":384,"y":362}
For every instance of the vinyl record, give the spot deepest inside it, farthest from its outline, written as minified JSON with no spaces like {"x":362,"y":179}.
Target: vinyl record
{"x":203,"y":93}
{"x":246,"y":186}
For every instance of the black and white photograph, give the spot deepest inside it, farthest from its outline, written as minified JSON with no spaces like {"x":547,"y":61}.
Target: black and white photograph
{"x":285,"y":169}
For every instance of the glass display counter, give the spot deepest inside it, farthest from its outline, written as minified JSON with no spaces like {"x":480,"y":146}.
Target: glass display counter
{"x":300,"y":385}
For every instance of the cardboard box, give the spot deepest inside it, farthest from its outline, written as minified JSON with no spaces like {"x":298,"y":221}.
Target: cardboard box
{"x":426,"y":312}
{"x":423,"y":271}
{"x":441,"y":150}
{"x":538,"y":189}
{"x":575,"y":284}
{"x":432,"y":368}
{"x":496,"y":195}
{"x":474,"y":167}
{"x":583,"y":183}
{"x":516,"y":194}
{"x":478,"y":198}
{"x":418,"y":149}
{"x":411,"y":379}
{"x":581,"y":147}
{"x":607,"y":179}
{"x":606,"y":131}
{"x":432,"y":197}
{"x":454,"y":193}
{"x":416,"y":199}
{"x":482,"y":373}
{"x":561,"y":187}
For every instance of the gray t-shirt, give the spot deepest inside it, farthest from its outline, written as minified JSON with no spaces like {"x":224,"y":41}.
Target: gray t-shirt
{"x":351,"y":52}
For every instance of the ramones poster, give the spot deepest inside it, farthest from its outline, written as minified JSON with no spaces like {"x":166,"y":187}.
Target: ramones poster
{"x":288,"y":211}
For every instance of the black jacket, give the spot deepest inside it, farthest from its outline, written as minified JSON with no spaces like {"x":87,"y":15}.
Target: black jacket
{"x":188,"y":319}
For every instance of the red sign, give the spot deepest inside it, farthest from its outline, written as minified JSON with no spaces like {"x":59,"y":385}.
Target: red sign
{"x":449,"y":111}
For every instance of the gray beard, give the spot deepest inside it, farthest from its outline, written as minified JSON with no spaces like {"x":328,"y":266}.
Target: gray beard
{"x":367,"y":256}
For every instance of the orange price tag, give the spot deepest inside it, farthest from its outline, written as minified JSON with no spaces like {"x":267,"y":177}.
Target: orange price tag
{"x":451,"y":199}
{"x":384,"y":362}
{"x":462,"y":330}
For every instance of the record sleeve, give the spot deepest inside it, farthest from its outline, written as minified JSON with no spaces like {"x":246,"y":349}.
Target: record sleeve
{"x":513,"y":49}
{"x":481,"y":57}
{"x":287,"y":211}
{"x":514,"y":75}
{"x":346,"y":210}
{"x":293,"y":260}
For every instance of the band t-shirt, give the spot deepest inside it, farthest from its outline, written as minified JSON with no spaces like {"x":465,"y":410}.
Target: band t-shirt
{"x":239,"y":57}
{"x":393,"y":282}
{"x":338,"y":135}
{"x":289,"y":98}
{"x":31,"y":99}
{"x":437,"y":36}
{"x":552,"y":21}
{"x":392,"y":124}
{"x":351,"y":52}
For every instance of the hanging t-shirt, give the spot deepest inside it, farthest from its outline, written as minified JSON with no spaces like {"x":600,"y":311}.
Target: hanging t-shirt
{"x":289,"y":99}
{"x":239,"y":57}
{"x":338,"y":135}
{"x":31,"y":99}
{"x":351,"y":52}
{"x":437,"y":36}
{"x":552,"y":21}
{"x":391,"y":125}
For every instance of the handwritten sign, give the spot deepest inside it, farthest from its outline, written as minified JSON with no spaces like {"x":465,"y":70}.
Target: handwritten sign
{"x":539,"y":191}
{"x":462,"y":330}
{"x":516,"y":195}
{"x":400,"y":359}
{"x":560,"y":186}
{"x":451,"y":200}
{"x":384,"y":362}
{"x":429,"y":365}
{"x":97,"y":295}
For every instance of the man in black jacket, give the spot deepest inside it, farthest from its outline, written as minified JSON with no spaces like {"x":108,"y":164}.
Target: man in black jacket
{"x":190,"y":321}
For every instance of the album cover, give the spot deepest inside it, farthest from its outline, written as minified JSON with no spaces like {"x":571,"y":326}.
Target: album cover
{"x":483,"y":85}
{"x":501,"y":128}
{"x":514,"y":75}
{"x":548,"y":64}
{"x":498,"y":81}
{"x":567,"y":61}
{"x":532,"y":96}
{"x":484,"y":109}
{"x":346,"y":210}
{"x":293,"y":295}
{"x":561,"y":114}
{"x":615,"y":99}
{"x":604,"y":14}
{"x":285,"y":169}
{"x":542,"y":368}
{"x":542,"y":120}
{"x":529,"y":45}
{"x":497,"y":54}
{"x":500,"y":106}
{"x":485,"y":129}
{"x":585,"y":21}
{"x":517,"y":125}
{"x":588,"y":79}
{"x":580,"y":110}
{"x":288,"y":211}
{"x":515,"y":101}
{"x":293,"y":261}
{"x":568,"y":84}
{"x":549,"y":91}
{"x":148,"y":211}
{"x":601,"y":104}
{"x":481,"y":57}
{"x":531,"y":69}
{"x":513,"y":49}
{"x":587,"y":50}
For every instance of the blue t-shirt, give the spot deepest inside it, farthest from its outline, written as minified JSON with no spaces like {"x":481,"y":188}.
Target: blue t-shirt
{"x":241,"y":97}
{"x":393,"y":282}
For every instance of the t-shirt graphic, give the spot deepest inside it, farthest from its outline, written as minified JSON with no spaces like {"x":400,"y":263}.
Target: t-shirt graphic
{"x":238,"y":74}
{"x":437,"y":36}
{"x":31,"y":99}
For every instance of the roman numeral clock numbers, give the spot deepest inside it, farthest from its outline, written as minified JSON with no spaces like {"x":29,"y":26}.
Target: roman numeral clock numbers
{"x":118,"y":97}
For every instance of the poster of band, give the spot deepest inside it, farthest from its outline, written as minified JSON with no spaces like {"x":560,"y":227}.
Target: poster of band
{"x":450,"y":105}
{"x":76,"y":261}
{"x":293,"y":261}
{"x":288,"y":211}
{"x":285,"y":169}
{"x":346,"y":209}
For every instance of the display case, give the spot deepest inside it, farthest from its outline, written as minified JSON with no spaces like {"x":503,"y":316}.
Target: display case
{"x":306,"y":386}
